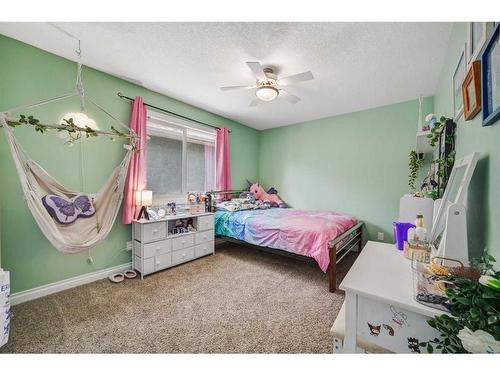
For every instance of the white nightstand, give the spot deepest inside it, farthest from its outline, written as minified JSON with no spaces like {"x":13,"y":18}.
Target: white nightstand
{"x":155,"y":248}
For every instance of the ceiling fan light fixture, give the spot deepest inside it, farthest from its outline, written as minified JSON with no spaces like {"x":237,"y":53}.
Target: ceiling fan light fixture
{"x":266,"y":93}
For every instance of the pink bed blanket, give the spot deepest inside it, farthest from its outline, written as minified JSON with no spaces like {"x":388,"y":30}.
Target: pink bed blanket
{"x":301,"y":232}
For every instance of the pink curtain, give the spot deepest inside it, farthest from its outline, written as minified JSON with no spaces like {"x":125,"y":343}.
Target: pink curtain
{"x":223,"y":161}
{"x":137,"y":172}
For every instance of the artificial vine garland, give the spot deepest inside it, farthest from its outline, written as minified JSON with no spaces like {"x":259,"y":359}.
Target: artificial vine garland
{"x":443,"y":161}
{"x":414,"y":165}
{"x":434,"y":137}
{"x":74,"y":131}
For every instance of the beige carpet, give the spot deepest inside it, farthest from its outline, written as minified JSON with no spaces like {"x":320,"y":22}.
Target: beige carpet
{"x":241,"y":300}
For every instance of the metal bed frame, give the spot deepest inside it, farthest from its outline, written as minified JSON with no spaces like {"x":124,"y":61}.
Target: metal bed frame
{"x":351,"y":240}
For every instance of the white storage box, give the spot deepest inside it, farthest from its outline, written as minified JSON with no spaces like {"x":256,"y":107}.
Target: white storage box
{"x":5,"y":313}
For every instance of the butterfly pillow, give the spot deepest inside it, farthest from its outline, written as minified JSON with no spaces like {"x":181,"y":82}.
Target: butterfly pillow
{"x":66,"y":211}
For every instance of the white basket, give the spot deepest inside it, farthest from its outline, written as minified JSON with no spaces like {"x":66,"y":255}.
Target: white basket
{"x":428,"y":289}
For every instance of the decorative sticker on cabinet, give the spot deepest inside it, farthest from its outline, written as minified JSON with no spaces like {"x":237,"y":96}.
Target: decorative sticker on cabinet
{"x":413,"y":345}
{"x":389,"y":329}
{"x":374,"y":330}
{"x":399,"y":318}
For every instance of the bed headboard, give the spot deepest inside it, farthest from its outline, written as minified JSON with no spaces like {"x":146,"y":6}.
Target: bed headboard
{"x":222,"y":195}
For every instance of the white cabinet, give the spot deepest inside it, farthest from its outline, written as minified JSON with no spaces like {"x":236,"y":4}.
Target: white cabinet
{"x":155,"y":248}
{"x":379,"y":305}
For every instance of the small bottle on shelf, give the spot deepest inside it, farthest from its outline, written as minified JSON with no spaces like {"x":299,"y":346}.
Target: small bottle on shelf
{"x":411,"y":236}
{"x":420,"y":230}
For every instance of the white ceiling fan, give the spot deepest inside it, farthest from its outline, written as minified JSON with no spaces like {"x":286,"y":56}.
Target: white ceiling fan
{"x":268,"y":86}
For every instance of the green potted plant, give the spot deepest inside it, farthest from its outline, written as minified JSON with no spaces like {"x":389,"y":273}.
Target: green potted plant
{"x":473,"y":325}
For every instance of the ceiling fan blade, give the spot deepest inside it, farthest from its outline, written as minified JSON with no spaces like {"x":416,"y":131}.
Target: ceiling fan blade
{"x":227,"y":88}
{"x":257,"y":70}
{"x":254,"y":103}
{"x":306,"y":76}
{"x":289,"y":97}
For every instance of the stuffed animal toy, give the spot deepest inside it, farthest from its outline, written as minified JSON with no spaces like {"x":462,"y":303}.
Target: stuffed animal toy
{"x":258,"y":191}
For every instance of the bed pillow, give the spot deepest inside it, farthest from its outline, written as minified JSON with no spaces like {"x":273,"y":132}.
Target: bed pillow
{"x":236,"y":204}
{"x":66,"y":211}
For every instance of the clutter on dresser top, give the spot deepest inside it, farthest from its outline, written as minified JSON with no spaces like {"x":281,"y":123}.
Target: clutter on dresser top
{"x":195,"y":203}
{"x":439,"y":250}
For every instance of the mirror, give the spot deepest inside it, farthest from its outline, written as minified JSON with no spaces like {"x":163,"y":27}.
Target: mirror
{"x":455,"y":193}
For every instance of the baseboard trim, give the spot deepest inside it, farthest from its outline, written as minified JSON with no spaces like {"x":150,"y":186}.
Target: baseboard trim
{"x":45,"y":290}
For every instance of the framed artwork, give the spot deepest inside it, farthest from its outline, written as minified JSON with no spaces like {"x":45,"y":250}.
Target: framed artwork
{"x":490,"y":79}
{"x":471,"y":91}
{"x":476,"y":37}
{"x":458,"y":78}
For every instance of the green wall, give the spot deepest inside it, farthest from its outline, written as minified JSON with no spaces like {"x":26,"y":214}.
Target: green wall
{"x":28,"y":74}
{"x":355,"y":163}
{"x":484,"y":204}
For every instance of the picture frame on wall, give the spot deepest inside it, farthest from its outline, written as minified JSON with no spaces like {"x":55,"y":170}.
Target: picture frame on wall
{"x":476,"y":37}
{"x":458,"y":78}
{"x":490,"y":78}
{"x":471,"y":91}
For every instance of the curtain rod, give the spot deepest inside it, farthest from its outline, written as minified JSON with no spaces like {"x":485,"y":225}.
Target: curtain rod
{"x":170,"y":113}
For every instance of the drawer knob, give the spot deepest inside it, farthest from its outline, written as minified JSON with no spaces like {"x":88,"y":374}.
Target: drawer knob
{"x":157,"y":262}
{"x":158,"y":248}
{"x":183,"y":255}
{"x":155,"y":231}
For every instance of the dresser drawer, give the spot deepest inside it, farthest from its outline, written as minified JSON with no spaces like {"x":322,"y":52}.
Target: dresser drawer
{"x":205,"y":236}
{"x":149,"y":265}
{"x":205,"y":222}
{"x":155,"y":248}
{"x":153,"y":232}
{"x":163,"y":261}
{"x":182,"y":242}
{"x":204,"y":249}
{"x":391,"y":327}
{"x":181,"y":256}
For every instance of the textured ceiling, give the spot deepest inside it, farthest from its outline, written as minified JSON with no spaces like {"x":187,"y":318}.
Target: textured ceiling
{"x":356,"y":65}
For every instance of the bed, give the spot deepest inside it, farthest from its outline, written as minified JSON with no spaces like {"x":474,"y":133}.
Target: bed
{"x":322,"y":236}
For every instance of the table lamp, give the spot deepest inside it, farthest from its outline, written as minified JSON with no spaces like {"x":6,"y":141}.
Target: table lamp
{"x":143,"y":198}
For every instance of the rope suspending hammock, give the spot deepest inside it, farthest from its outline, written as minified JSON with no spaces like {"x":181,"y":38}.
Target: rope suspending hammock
{"x":86,"y":230}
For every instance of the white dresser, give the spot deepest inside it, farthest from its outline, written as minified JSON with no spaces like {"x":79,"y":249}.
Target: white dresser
{"x":155,"y":248}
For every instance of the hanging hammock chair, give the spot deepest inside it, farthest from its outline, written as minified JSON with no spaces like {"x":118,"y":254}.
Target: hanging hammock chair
{"x":83,"y":233}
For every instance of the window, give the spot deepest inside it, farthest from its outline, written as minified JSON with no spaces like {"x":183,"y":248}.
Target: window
{"x":180,"y":159}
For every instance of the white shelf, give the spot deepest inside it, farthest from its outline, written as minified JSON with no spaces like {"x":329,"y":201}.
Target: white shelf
{"x":170,"y":235}
{"x":423,"y":146}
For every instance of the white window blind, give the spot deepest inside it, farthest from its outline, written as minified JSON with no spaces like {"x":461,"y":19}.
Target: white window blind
{"x":181,"y":158}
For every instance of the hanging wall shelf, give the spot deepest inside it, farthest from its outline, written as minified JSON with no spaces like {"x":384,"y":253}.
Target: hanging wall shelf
{"x":422,"y":144}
